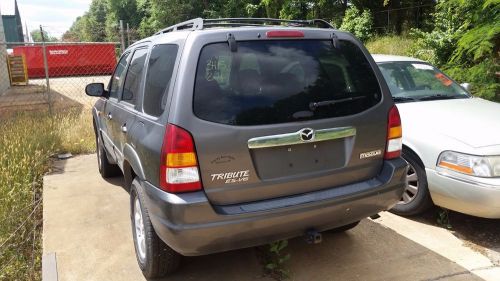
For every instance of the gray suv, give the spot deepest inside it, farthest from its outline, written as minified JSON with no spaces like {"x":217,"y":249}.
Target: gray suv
{"x":232,"y":133}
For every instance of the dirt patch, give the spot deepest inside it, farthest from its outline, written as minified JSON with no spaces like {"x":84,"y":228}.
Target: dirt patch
{"x":480,"y":234}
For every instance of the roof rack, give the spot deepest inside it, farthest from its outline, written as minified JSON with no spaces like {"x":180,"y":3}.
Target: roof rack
{"x":199,"y":23}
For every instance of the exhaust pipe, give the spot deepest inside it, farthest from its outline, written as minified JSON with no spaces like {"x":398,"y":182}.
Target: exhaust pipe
{"x":313,"y":236}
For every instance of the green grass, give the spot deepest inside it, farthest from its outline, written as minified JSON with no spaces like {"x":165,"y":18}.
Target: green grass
{"x":27,"y":142}
{"x":390,"y":45}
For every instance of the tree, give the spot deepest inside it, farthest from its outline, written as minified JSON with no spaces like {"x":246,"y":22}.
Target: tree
{"x":36,"y":35}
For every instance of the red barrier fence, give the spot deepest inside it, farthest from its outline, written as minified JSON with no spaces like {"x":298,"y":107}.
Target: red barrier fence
{"x":69,"y":59}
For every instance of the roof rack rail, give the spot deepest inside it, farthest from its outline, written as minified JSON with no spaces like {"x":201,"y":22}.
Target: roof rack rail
{"x":199,"y":23}
{"x":192,"y":24}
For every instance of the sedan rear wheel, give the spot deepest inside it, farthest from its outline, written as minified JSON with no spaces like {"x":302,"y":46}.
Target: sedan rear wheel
{"x":416,"y":198}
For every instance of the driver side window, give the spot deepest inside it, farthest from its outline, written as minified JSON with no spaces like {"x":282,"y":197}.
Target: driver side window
{"x":118,"y":76}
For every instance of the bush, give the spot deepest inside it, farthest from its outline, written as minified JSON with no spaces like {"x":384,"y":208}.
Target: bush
{"x":481,"y":76}
{"x":358,"y":23}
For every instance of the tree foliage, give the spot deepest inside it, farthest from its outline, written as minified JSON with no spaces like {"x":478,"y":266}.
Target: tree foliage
{"x":465,"y":41}
{"x":36,"y":35}
{"x":101,"y":22}
{"x":461,"y":36}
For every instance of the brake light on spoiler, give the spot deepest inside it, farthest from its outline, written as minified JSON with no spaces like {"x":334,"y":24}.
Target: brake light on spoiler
{"x":284,"y":34}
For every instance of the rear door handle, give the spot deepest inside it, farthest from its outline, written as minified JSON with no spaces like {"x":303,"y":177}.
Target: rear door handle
{"x":110,"y":116}
{"x":124,"y":128}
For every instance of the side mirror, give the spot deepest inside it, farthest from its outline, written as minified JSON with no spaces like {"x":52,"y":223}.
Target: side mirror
{"x":95,"y":90}
{"x":466,"y":86}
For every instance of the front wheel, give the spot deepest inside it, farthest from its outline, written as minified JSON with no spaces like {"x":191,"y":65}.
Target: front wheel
{"x":155,"y":258}
{"x":416,"y":198}
{"x":106,"y":169}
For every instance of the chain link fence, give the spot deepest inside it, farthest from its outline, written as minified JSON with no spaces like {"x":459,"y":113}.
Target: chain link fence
{"x":52,"y":76}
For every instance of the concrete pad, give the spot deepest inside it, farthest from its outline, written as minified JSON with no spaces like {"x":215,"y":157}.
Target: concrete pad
{"x":444,"y":242}
{"x":87,"y":226}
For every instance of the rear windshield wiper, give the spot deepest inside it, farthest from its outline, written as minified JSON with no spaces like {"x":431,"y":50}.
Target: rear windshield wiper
{"x":315,"y":105}
{"x":402,"y":99}
{"x":438,"y":97}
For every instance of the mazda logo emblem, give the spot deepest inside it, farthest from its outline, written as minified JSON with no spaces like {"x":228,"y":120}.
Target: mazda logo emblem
{"x":306,"y":134}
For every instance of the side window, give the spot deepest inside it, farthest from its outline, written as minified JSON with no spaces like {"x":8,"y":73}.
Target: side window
{"x":134,"y":74}
{"x":158,"y":77}
{"x":118,"y":76}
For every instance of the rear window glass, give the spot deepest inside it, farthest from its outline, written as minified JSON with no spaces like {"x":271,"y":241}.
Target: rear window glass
{"x":278,"y":81}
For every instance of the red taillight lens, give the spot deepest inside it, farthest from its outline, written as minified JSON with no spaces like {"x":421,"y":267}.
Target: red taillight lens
{"x":179,"y":166}
{"x":394,"y":135}
{"x":284,"y":34}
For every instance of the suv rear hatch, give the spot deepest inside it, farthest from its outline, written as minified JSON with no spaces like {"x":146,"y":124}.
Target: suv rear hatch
{"x":279,"y":117}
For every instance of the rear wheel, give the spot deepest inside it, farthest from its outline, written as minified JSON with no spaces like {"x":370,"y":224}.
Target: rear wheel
{"x":106,"y":169}
{"x":416,"y":198}
{"x":155,"y":258}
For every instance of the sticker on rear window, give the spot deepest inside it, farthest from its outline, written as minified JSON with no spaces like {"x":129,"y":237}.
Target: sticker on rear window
{"x":444,"y":80}
{"x":422,"y":66}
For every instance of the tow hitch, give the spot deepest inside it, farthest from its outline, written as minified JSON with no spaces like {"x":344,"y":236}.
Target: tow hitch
{"x":313,"y":237}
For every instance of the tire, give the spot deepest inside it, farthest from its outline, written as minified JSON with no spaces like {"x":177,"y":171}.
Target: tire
{"x":416,"y":197}
{"x":345,"y":228}
{"x":154,"y":257}
{"x":106,"y":169}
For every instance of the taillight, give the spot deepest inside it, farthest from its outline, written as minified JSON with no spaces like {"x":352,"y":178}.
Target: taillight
{"x":394,"y":135}
{"x":284,"y":34}
{"x":179,"y":166}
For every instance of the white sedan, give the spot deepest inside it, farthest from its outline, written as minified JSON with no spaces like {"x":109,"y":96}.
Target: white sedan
{"x":451,"y":140}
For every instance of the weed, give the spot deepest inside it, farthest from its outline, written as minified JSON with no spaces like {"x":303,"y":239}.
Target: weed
{"x":443,"y":218}
{"x":274,"y":259}
{"x":26,"y":143}
{"x":390,"y":45}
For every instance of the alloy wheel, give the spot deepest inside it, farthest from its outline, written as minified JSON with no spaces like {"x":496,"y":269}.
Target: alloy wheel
{"x":412,"y":184}
{"x":140,"y":234}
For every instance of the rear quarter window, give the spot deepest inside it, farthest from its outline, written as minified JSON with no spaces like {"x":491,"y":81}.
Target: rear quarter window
{"x":158,"y":78}
{"x":278,"y":81}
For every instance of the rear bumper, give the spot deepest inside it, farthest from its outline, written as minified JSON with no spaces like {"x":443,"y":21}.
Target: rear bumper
{"x":190,"y":225}
{"x":477,"y":197}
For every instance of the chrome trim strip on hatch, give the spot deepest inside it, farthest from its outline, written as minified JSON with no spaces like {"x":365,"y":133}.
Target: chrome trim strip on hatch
{"x":296,"y":138}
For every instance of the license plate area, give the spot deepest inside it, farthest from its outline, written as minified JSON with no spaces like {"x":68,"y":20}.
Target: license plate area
{"x":293,"y":160}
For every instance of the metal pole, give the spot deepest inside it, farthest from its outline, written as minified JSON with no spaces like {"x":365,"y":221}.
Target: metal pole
{"x":388,"y":22}
{"x":46,"y":67}
{"x":122,"y":36}
{"x":128,"y":35}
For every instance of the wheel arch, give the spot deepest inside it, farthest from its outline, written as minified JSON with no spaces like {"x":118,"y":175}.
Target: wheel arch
{"x":132,"y":166}
{"x":412,"y":151}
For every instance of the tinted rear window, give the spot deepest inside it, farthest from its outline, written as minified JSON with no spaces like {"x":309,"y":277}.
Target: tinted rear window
{"x":278,"y":81}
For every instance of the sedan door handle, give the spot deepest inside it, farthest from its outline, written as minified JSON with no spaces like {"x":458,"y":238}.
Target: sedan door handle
{"x":124,"y":128}
{"x":110,"y":116}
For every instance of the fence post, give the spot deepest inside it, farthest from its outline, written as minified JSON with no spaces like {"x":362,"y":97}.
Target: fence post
{"x":46,"y":67}
{"x":122,"y":36}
